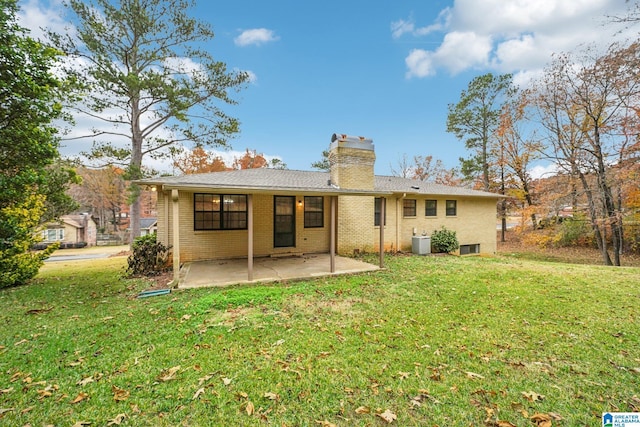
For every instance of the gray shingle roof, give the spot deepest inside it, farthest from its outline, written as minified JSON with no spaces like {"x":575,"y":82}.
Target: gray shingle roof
{"x":266,"y":179}
{"x":146,"y":223}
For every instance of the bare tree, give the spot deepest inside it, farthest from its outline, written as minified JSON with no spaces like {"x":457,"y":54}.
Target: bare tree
{"x":584,"y":105}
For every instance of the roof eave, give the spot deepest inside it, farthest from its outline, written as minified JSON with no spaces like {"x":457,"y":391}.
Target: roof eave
{"x":268,"y":190}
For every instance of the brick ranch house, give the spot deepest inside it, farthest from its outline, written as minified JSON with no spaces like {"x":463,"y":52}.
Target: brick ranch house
{"x":270,"y":212}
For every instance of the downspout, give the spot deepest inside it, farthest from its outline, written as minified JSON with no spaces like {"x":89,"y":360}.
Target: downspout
{"x":383,"y":214}
{"x":398,"y":219}
{"x":250,"y":237}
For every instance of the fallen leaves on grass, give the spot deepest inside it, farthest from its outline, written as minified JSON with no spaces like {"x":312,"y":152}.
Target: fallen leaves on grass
{"x":119,"y":394}
{"x":197,"y":394}
{"x":532,"y":396}
{"x":271,"y":396}
{"x":363,"y":410}
{"x":249,"y":409}
{"x":541,"y":420}
{"x":424,"y":395}
{"x":47,"y":391}
{"x":169,"y":374}
{"x":78,"y":362}
{"x":117,"y":420}
{"x":388,"y":416}
{"x":474,"y":376}
{"x":5,"y":410}
{"x":204,"y":379}
{"x":81,"y":424}
{"x":325,"y":423}
{"x":85,"y":381}
{"x":80,"y":397}
{"x":38,"y":310}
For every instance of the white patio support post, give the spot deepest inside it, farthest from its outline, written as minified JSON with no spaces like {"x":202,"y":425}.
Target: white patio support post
{"x":175,"y":223}
{"x":383,"y":207}
{"x":332,"y":237}
{"x":250,"y":237}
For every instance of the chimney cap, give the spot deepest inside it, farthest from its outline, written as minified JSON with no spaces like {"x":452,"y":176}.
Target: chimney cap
{"x":341,"y":137}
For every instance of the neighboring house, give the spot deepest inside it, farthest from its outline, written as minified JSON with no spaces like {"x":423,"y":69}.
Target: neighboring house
{"x":148,"y":226}
{"x":71,"y":230}
{"x":148,"y":203}
{"x":261,"y":212}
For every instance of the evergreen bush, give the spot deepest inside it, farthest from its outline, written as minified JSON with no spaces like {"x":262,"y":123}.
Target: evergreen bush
{"x":444,"y":241}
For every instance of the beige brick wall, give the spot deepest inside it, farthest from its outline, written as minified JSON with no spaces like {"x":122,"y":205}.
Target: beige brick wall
{"x":355,"y":224}
{"x":475,"y":222}
{"x":219,"y":244}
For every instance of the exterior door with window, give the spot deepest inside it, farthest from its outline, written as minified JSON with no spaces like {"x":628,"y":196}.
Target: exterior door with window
{"x":284,"y":221}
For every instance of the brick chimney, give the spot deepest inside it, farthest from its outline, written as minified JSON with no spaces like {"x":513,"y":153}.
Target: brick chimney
{"x":351,"y":160}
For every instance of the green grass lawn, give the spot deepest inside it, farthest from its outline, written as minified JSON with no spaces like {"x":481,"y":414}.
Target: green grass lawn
{"x":432,"y":341}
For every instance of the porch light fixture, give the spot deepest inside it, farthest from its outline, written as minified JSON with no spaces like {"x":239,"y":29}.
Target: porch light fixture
{"x":300,"y":203}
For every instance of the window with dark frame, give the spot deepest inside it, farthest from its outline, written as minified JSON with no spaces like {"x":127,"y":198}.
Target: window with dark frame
{"x":219,"y":211}
{"x":452,"y":208}
{"x":313,"y":211}
{"x":409,"y":207}
{"x":376,"y":212}
{"x":431,"y":208}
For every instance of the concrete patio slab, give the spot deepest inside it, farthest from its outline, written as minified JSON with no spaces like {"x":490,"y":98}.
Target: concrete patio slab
{"x":234,"y":271}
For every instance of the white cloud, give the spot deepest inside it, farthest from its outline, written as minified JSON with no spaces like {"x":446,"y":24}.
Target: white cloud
{"x":35,"y":15}
{"x":401,"y":27}
{"x":515,"y":36}
{"x":457,"y":52}
{"x":462,"y":50}
{"x":419,"y":63}
{"x":183,"y":65}
{"x":543,"y":171}
{"x":256,"y":36}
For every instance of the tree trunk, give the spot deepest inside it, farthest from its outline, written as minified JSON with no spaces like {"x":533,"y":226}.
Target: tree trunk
{"x":600,"y":237}
{"x":135,"y":169}
{"x":609,"y":204}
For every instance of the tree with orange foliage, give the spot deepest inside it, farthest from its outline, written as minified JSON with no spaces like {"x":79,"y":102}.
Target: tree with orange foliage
{"x":198,"y":160}
{"x":250,"y":160}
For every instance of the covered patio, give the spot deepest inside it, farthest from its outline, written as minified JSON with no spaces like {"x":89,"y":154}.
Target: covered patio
{"x":216,"y":273}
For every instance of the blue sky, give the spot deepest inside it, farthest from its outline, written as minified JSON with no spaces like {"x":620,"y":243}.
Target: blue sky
{"x":380,"y":69}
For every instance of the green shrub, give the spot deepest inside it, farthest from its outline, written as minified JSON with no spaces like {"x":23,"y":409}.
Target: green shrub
{"x":574,"y":232}
{"x":444,"y":241}
{"x":18,"y":264}
{"x":149,"y":257}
